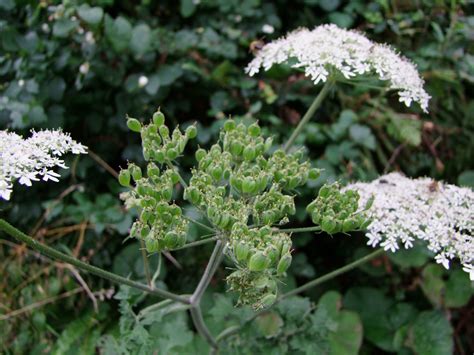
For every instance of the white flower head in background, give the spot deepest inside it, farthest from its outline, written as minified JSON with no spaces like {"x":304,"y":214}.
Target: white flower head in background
{"x":407,"y":209}
{"x":142,"y":81}
{"x":269,"y":29}
{"x":34,"y":158}
{"x":329,"y":48}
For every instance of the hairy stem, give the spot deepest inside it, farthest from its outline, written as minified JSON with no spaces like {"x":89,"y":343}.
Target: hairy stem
{"x":201,"y":327}
{"x":211,"y":267}
{"x":332,"y":274}
{"x":55,"y":254}
{"x":310,"y":113}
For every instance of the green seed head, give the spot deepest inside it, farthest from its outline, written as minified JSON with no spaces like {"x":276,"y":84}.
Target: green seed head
{"x":134,"y":125}
{"x":158,"y":118}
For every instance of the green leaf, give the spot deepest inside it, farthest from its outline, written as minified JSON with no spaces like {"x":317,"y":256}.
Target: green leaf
{"x":269,"y":324}
{"x":458,"y":289}
{"x":140,"y":41}
{"x":431,"y":334}
{"x":63,"y":27}
{"x":341,"y":19}
{"x":168,"y":74}
{"x":432,"y":283}
{"x":466,"y":178}
{"x":362,"y":135}
{"x":347,"y":339}
{"x":187,"y":8}
{"x":91,"y":15}
{"x":118,"y":32}
{"x":412,"y":257}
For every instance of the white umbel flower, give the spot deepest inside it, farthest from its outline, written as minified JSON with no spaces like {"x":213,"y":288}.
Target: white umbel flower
{"x":329,"y":47}
{"x":407,"y":209}
{"x":34,"y":158}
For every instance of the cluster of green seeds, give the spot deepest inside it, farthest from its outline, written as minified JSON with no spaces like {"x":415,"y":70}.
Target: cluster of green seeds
{"x":337,"y":211}
{"x":160,"y":223}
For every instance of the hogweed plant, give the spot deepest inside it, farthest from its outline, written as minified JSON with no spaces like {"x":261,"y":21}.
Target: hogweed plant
{"x":246,"y":187}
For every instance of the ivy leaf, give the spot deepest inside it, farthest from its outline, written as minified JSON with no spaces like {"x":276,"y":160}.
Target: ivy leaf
{"x":432,"y":283}
{"x":269,"y":324}
{"x":431,"y":333}
{"x":63,"y":27}
{"x":458,"y":289}
{"x":91,"y":15}
{"x":347,"y":339}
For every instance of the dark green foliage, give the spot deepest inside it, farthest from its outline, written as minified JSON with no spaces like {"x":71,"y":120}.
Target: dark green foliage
{"x":79,"y":65}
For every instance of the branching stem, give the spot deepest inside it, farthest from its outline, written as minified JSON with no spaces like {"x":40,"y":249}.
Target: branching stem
{"x":55,"y":254}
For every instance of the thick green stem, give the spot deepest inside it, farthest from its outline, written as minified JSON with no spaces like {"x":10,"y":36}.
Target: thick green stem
{"x":331,"y":275}
{"x":211,"y":267}
{"x":201,"y":327}
{"x":55,"y":254}
{"x":310,"y":113}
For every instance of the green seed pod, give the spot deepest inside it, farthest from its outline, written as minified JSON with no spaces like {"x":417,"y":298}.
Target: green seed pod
{"x":153,"y":171}
{"x":273,"y":255}
{"x":162,"y":207}
{"x":216,"y":172}
{"x":229,"y":125}
{"x":171,"y":154}
{"x":236,"y":182}
{"x":268,"y":143}
{"x":284,"y":263}
{"x":294,"y":182}
{"x":241,"y":251}
{"x":254,"y":130}
{"x":369,"y":202}
{"x":152,"y":245}
{"x":249,"y":153}
{"x":134,"y":125}
{"x":124,"y":177}
{"x":167,"y":193}
{"x":158,"y":118}
{"x":248,"y":185}
{"x":268,"y":217}
{"x":191,"y":132}
{"x":328,"y":225}
{"x":349,"y":224}
{"x":200,"y":154}
{"x":324,"y":191}
{"x":175,"y":210}
{"x":258,"y":262}
{"x":313,"y":174}
{"x":136,"y":172}
{"x":224,"y":220}
{"x":164,"y":131}
{"x":144,"y":216}
{"x":211,"y":212}
{"x":236,"y":148}
{"x":268,"y":300}
{"x":265,"y":231}
{"x":174,"y":177}
{"x":171,"y":239}
{"x":144,"y":231}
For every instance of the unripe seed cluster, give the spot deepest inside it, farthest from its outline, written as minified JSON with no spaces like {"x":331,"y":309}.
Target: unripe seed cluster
{"x":236,"y":183}
{"x":261,"y":256}
{"x":160,"y":223}
{"x":337,"y":211}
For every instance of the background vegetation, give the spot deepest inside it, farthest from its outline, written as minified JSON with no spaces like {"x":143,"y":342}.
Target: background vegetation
{"x":77,"y":65}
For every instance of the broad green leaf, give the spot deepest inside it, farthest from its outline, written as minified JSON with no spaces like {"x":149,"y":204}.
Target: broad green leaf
{"x":466,"y":178}
{"x":458,"y":289}
{"x":362,"y":135}
{"x":63,"y":27}
{"x":431,"y":334}
{"x":91,"y":15}
{"x":141,"y":40}
{"x":347,"y":339}
{"x":432,"y":283}
{"x":118,"y":32}
{"x":269,"y":324}
{"x":187,"y":8}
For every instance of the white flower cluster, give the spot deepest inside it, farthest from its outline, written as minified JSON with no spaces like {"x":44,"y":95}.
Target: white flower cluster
{"x":30,"y":159}
{"x":407,"y":209}
{"x":329,"y":47}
